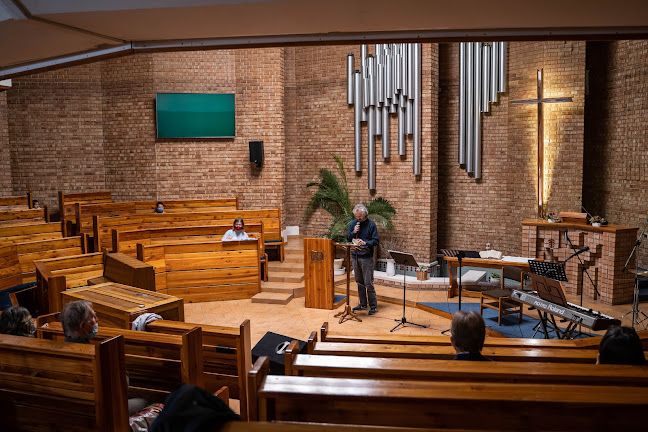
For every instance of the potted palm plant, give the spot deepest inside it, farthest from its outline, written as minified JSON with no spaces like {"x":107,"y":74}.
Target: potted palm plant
{"x":332,"y":195}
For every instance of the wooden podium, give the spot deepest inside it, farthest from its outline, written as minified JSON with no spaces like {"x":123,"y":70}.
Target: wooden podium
{"x":319,"y":254}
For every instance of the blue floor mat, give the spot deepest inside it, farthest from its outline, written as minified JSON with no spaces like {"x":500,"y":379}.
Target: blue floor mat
{"x":510,"y":326}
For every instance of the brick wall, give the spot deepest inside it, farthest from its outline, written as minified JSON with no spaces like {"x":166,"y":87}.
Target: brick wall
{"x":472,"y":212}
{"x":320,"y":124}
{"x":56,"y":133}
{"x":5,"y":153}
{"x":616,"y":158}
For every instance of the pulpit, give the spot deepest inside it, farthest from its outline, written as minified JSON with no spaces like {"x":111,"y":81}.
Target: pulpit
{"x":319,"y":254}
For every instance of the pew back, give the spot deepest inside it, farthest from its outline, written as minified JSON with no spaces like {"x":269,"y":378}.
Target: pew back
{"x":102,"y":227}
{"x":23,"y":217}
{"x":424,"y":404}
{"x":10,"y":274}
{"x":21,"y":201}
{"x":51,"y":385}
{"x":209,"y":271}
{"x":28,"y":252}
{"x":31,"y":232}
{"x":156,"y":363}
{"x":84,"y":212}
{"x":67,"y":209}
{"x":226,"y":352}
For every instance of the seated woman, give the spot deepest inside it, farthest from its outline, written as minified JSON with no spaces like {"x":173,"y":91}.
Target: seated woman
{"x":621,"y":345}
{"x":17,"y":321}
{"x":159,"y":207}
{"x":237,"y":232}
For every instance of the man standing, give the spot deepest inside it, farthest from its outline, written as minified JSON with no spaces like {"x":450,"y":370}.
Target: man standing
{"x":364,"y":233}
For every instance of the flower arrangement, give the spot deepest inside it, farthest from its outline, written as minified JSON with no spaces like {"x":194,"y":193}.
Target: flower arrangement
{"x":494,"y":275}
{"x":422,"y":268}
{"x":597,"y":220}
{"x":553,"y":217}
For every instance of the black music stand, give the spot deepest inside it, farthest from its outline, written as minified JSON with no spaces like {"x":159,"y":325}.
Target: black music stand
{"x":405,"y":259}
{"x":555,"y":271}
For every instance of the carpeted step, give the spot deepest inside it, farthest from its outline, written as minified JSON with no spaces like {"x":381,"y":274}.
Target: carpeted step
{"x":272,"y":298}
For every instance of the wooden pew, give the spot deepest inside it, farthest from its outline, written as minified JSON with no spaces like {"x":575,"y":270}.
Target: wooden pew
{"x":28,"y":252}
{"x":84,"y":213}
{"x":55,"y":275}
{"x":441,"y":352}
{"x":423,"y":404}
{"x":126,"y":241}
{"x":20,"y":201}
{"x":23,"y":217}
{"x":315,"y":427}
{"x":452,"y":370}
{"x":209,"y":271}
{"x":31,"y":232}
{"x":10,"y":275}
{"x":156,"y":363}
{"x":270,"y":218}
{"x":227,"y":355}
{"x":55,"y":386}
{"x":67,"y":210}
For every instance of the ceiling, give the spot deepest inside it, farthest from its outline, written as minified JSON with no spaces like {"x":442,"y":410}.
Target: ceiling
{"x":42,"y":34}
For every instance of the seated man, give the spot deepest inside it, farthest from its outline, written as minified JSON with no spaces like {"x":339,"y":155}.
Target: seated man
{"x":79,"y":321}
{"x":621,"y":345}
{"x":80,"y":324}
{"x":468,"y":332}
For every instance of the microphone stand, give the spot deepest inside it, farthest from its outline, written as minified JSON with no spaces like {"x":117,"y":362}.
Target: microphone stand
{"x":638,"y":316}
{"x":582,"y":267}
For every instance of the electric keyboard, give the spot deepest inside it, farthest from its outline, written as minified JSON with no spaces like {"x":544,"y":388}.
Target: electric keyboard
{"x":578,"y":315}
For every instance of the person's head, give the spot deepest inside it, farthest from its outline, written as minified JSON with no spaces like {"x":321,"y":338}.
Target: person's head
{"x":79,"y":320}
{"x":360,"y":212}
{"x":239,"y":225}
{"x":17,"y":321}
{"x":621,"y":345}
{"x":35,"y":204}
{"x":159,"y":207}
{"x":468,"y":332}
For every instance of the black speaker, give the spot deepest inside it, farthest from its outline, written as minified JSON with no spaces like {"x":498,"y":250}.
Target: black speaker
{"x":273,"y":346}
{"x":256,"y":152}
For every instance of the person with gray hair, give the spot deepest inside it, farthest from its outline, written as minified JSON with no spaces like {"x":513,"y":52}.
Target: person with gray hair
{"x":363,"y":233}
{"x":17,"y":321}
{"x":79,"y":321}
{"x":468,"y":332}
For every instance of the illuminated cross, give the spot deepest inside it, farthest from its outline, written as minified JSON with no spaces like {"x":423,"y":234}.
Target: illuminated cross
{"x":539,"y":101}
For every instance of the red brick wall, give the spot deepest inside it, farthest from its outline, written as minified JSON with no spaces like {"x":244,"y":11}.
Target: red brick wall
{"x":616,"y":162}
{"x":320,"y":124}
{"x":472,"y":212}
{"x":56,"y":133}
{"x":5,"y":153}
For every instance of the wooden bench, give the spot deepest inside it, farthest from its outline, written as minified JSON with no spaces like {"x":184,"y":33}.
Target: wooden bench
{"x":24,"y":217}
{"x":67,"y":210}
{"x":11,"y":278}
{"x":31,"y":232}
{"x":20,"y":201}
{"x":28,"y":252}
{"x":55,"y":275}
{"x":126,"y":241}
{"x":227,"y":355}
{"x":237,"y":426}
{"x":461,"y":405}
{"x":84,"y":213}
{"x":442,"y":352}
{"x":270,"y":218}
{"x":51,"y":385}
{"x":209,"y":271}
{"x":156,"y":363}
{"x":452,"y":370}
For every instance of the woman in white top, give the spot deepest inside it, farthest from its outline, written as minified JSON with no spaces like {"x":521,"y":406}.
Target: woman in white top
{"x":237,"y":232}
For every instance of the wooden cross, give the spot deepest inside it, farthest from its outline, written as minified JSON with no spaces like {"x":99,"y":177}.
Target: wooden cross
{"x":539,"y":101}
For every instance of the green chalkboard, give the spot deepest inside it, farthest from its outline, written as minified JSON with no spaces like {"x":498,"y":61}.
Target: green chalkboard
{"x":195,"y":115}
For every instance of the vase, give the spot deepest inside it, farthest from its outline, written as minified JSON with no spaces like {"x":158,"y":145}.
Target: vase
{"x":421,"y":275}
{"x":596,"y":224}
{"x":391,"y":267}
{"x":551,"y":220}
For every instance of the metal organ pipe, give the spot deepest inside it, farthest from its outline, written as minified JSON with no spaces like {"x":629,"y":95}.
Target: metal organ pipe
{"x":357,"y":120}
{"x":350,"y":89}
{"x":470,"y":98}
{"x":416,"y":109}
{"x":477,"y":110}
{"x":462,"y":103}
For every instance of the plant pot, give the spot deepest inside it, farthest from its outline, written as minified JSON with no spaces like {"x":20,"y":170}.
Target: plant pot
{"x":496,"y":280}
{"x":596,"y":224}
{"x":551,"y":221}
{"x":338,"y":263}
{"x":391,"y":267}
{"x":421,"y":275}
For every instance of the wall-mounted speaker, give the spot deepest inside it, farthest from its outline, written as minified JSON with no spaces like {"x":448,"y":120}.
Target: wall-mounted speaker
{"x":256,"y":153}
